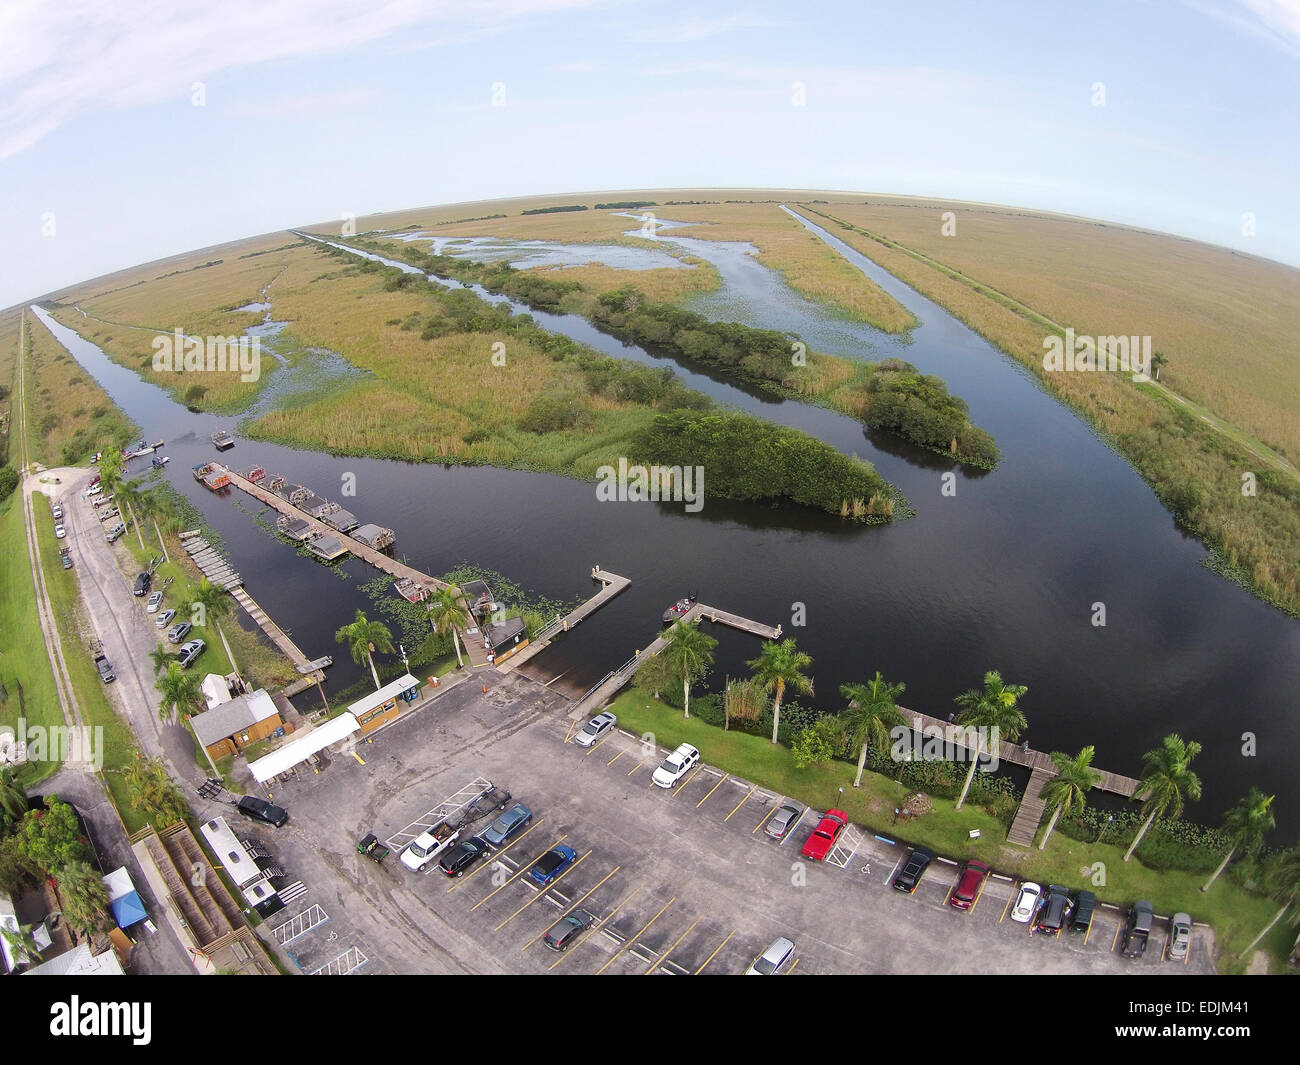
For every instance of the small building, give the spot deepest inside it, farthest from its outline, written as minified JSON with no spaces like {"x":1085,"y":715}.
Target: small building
{"x":80,"y":962}
{"x":294,"y":528}
{"x":506,"y":637}
{"x":478,"y":597}
{"x":375,"y":536}
{"x":236,"y":723}
{"x":340,"y":520}
{"x":314,"y":505}
{"x":382,"y":706}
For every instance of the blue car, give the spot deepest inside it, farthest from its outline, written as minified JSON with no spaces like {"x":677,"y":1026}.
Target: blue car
{"x":551,"y":864}
{"x":508,"y":824}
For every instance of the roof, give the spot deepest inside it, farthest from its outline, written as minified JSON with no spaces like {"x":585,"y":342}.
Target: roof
{"x":388,"y":691}
{"x":123,"y":899}
{"x":215,"y":690}
{"x":368,"y":533}
{"x":298,"y":750}
{"x":229,"y":851}
{"x":79,"y":962}
{"x":232,"y":716}
{"x":502,"y":631}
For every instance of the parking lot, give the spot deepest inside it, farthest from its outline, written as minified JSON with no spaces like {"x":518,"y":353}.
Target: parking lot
{"x":678,"y":882}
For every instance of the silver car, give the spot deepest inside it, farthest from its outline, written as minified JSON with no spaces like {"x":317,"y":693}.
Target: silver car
{"x":780,"y":822}
{"x":776,"y":955}
{"x":1180,"y":936}
{"x":191,"y":651}
{"x":597,"y":727}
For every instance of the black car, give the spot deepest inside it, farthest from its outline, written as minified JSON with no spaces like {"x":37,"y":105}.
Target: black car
{"x":1138,"y":928}
{"x":568,"y":928}
{"x":910,"y":875}
{"x":1085,"y":903}
{"x":463,"y":855}
{"x":142,"y":583}
{"x":260,"y":810}
{"x":1054,"y":911}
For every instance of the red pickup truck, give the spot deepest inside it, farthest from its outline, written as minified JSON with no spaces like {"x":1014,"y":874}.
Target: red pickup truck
{"x":824,"y":836}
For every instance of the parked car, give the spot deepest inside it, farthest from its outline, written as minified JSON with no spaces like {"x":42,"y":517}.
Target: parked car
{"x":1180,"y":937}
{"x":551,"y":864}
{"x":1084,"y":903}
{"x":66,"y":560}
{"x":189,"y":652}
{"x":1137,"y":929}
{"x":93,"y":490}
{"x":968,"y":887}
{"x":568,"y":928}
{"x":428,"y":845}
{"x":105,"y":669}
{"x":179,"y":631}
{"x":455,"y":861}
{"x":115,"y":533}
{"x":57,"y":512}
{"x":508,"y":824}
{"x":155,"y":601}
{"x":910,"y":875}
{"x":780,"y":823}
{"x":597,"y":727}
{"x":142,"y":583}
{"x":260,"y":810}
{"x":776,"y":955}
{"x":59,"y":531}
{"x":1026,"y":903}
{"x":676,"y":766}
{"x":164,"y":619}
{"x":1054,"y":913}
{"x":825,"y":835}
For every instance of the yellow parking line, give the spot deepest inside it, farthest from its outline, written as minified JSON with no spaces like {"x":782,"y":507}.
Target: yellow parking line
{"x":682,"y":787}
{"x":635,"y":768}
{"x":1115,"y":941}
{"x":598,"y":925}
{"x":596,"y":746}
{"x":358,"y":758}
{"x":766,"y":818}
{"x":616,"y":757}
{"x":792,"y":966}
{"x":1008,"y":905}
{"x":660,"y":961}
{"x":712,"y":789}
{"x":572,"y":907}
{"x":715,"y":953}
{"x":978,"y":895}
{"x":569,"y":731}
{"x":485,"y":864}
{"x":741,"y":803}
{"x":644,"y":929}
{"x":1088,"y":933}
{"x":540,"y":893}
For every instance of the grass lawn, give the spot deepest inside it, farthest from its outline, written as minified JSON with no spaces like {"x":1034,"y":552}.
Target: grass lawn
{"x":1236,"y":915}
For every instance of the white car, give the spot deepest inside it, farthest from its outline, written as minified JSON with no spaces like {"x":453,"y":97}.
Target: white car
{"x":93,"y":491}
{"x":155,"y":601}
{"x":428,"y":845}
{"x":1026,"y":903}
{"x":676,"y":766}
{"x":776,"y":955}
{"x":57,"y":511}
{"x":60,"y":531}
{"x":597,"y":727}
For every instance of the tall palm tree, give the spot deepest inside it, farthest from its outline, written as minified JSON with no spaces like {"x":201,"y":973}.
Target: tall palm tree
{"x":13,"y":799}
{"x":215,"y":602}
{"x":364,"y":638}
{"x":84,"y":897}
{"x":1074,"y":778}
{"x":448,"y":612}
{"x":690,"y":654}
{"x":872,"y":712}
{"x":994,"y":708}
{"x":153,"y":792}
{"x":22,"y":943}
{"x":1247,"y":824}
{"x":110,"y":471}
{"x":780,"y":666}
{"x":1282,"y":882}
{"x":1167,"y":783}
{"x":179,"y":688}
{"x":161,"y":658}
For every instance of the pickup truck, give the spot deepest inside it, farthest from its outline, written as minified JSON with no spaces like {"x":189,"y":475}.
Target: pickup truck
{"x":105,"y":668}
{"x":428,"y":845}
{"x":825,"y":835}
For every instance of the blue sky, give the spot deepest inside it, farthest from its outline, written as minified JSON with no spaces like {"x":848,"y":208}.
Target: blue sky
{"x":314,"y":110}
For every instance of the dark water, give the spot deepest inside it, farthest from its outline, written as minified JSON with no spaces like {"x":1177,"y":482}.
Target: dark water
{"x":1002,"y":575}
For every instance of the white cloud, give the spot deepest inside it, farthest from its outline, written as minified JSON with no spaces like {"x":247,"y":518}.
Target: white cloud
{"x":59,"y":61}
{"x":695,"y":28}
{"x":1274,"y":21}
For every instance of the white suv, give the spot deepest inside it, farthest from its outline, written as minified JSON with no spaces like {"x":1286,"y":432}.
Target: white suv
{"x":676,"y":765}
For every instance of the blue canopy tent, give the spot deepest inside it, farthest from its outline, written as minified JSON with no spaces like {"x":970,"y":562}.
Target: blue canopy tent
{"x":124,"y":899}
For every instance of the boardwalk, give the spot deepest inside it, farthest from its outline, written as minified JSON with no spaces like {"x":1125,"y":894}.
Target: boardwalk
{"x":611,"y":585}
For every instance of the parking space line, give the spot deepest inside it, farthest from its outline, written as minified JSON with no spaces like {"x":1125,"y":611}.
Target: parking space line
{"x":541,"y":893}
{"x":1115,"y":941}
{"x":663,"y":960}
{"x":573,"y":907}
{"x":569,"y":731}
{"x":792,"y":967}
{"x":715,"y":953}
{"x":635,"y":768}
{"x":789,"y":832}
{"x":713,"y":789}
{"x":616,"y":757}
{"x":765,"y":818}
{"x":597,"y":745}
{"x":741,"y":803}
{"x":598,"y":926}
{"x":1008,"y":905}
{"x":629,"y":943}
{"x":488,"y":865}
{"x":691,"y":776}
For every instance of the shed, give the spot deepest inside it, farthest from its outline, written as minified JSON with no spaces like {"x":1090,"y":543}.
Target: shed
{"x":375,"y":536}
{"x":236,"y":723}
{"x":379,"y":707}
{"x":79,"y":962}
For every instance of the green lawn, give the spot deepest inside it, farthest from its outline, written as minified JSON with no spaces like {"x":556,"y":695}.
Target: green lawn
{"x":1236,"y":915}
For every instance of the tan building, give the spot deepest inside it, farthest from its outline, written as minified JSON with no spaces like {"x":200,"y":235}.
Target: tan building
{"x":236,"y":723}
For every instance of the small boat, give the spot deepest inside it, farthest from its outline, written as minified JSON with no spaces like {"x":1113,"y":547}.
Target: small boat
{"x":411,"y":590}
{"x":257,"y":474}
{"x":159,"y":463}
{"x":678,"y":609}
{"x":213,"y":475}
{"x":223,"y":440}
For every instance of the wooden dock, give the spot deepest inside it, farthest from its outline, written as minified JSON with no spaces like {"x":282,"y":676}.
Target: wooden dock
{"x":311,"y":671}
{"x":611,"y":585}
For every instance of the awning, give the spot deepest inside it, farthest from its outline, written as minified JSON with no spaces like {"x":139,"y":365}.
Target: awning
{"x":298,"y":750}
{"x":128,"y":909}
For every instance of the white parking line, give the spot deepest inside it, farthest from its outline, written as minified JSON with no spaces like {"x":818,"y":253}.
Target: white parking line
{"x":790,"y":831}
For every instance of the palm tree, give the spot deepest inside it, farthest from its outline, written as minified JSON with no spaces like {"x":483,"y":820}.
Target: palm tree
{"x":213,"y":599}
{"x":84,"y":897}
{"x":161,"y":658}
{"x":993,"y":708}
{"x":1282,"y":882}
{"x":364,"y":637}
{"x":1158,"y":360}
{"x":780,"y":666}
{"x":22,"y":943}
{"x":1167,"y":782}
{"x":690,"y":654}
{"x":179,"y":689}
{"x":1074,"y":778}
{"x":110,"y":471}
{"x":872,"y":712}
{"x":448,"y":612}
{"x":13,"y":799}
{"x":1247,"y":824}
{"x":153,"y":792}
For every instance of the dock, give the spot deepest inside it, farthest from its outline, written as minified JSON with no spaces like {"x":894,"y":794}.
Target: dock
{"x":611,"y":585}
{"x":212,"y":564}
{"x":311,"y":671}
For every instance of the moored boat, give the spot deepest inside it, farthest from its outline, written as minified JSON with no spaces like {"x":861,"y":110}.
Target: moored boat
{"x":678,"y":609}
{"x":223,"y":440}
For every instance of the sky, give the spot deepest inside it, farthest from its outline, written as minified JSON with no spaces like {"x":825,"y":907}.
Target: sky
{"x":130,"y":131}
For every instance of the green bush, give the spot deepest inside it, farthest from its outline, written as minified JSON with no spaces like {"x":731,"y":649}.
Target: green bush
{"x":8,"y":481}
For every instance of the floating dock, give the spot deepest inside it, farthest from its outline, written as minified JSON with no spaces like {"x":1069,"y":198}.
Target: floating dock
{"x":212,"y":564}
